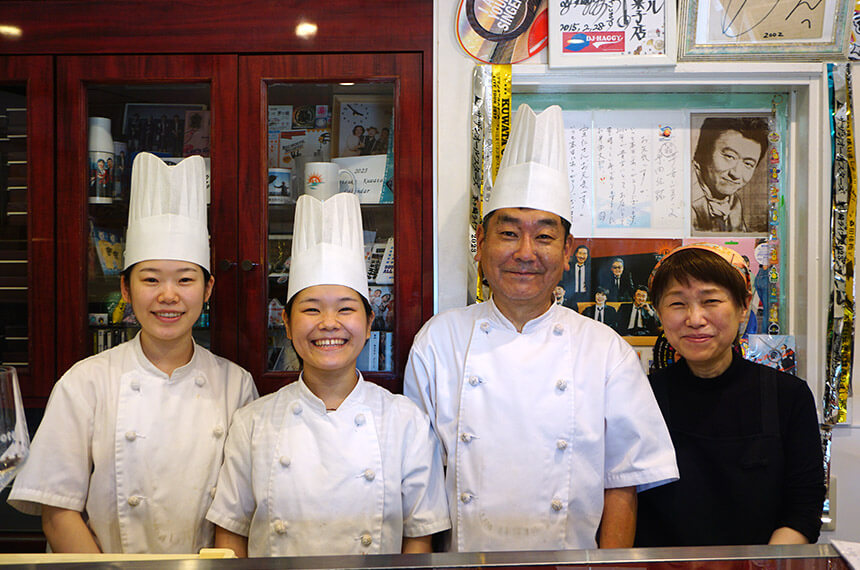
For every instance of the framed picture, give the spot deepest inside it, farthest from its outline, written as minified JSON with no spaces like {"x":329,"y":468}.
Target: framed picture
{"x":361,"y":124}
{"x":623,"y":33}
{"x":157,"y":128}
{"x":728,"y":178}
{"x":796,"y":30}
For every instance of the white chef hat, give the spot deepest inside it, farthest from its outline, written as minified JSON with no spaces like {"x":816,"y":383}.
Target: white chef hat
{"x":328,"y":244}
{"x":167,"y":211}
{"x":533,"y":171}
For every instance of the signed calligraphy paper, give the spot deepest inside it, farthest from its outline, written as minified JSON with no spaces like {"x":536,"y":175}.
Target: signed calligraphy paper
{"x":626,"y":172}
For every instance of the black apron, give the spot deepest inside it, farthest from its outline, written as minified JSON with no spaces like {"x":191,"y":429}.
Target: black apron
{"x":730,"y":488}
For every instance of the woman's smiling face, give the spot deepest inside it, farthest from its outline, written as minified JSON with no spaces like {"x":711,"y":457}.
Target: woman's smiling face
{"x":328,"y":325}
{"x":701,"y":321}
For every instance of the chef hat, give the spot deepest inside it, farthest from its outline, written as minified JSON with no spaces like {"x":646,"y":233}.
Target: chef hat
{"x":167,"y":211}
{"x":328,"y":244}
{"x":533,"y":171}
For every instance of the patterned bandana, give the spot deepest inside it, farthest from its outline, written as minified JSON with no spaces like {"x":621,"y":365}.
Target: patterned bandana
{"x":730,"y":255}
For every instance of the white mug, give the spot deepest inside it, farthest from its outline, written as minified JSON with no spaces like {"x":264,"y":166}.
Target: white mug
{"x":322,"y":179}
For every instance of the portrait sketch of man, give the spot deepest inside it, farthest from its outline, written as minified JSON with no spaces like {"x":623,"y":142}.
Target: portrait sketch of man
{"x":729,"y":174}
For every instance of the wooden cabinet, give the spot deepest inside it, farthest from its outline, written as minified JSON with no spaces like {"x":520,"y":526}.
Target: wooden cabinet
{"x":230,"y":59}
{"x":27,"y":255}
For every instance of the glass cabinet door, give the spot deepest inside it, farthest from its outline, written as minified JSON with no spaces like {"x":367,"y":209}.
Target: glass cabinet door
{"x":121,"y":106}
{"x":348,"y":112}
{"x":26,"y":222}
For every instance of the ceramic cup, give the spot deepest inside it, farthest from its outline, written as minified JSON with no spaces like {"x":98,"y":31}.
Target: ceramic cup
{"x":279,"y":185}
{"x":323,"y":179}
{"x":101,"y":157}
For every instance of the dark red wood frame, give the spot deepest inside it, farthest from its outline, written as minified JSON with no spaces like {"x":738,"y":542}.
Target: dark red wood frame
{"x":74,"y":74}
{"x":404,"y":72}
{"x":79,"y":36}
{"x":37,"y":74}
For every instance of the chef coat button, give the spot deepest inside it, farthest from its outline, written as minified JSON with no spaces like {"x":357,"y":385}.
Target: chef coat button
{"x":279,"y":527}
{"x":466,"y":498}
{"x":199,"y":381}
{"x":366,"y":539}
{"x":466,"y":437}
{"x":561,"y":384}
{"x":130,"y":435}
{"x":485,"y":327}
{"x":134,"y":501}
{"x":557,"y":329}
{"x":212,"y":492}
{"x":561,"y":444}
{"x":135,"y":385}
{"x":369,"y":474}
{"x":284,"y":460}
{"x":360,"y":419}
{"x":474,"y":380}
{"x":297,"y":409}
{"x":557,"y":505}
{"x":218,"y":431}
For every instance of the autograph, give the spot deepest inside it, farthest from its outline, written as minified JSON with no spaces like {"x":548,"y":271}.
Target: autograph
{"x":737,"y":12}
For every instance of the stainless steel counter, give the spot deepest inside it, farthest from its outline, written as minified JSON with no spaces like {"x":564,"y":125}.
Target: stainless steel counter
{"x":805,"y":557}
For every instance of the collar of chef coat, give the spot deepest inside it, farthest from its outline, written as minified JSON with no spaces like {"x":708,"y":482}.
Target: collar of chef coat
{"x":179,"y":374}
{"x":356,"y":396}
{"x":497,"y":318}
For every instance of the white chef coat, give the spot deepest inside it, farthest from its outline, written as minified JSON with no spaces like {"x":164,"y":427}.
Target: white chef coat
{"x":300,"y":480}
{"x":136,"y":451}
{"x":535,"y":425}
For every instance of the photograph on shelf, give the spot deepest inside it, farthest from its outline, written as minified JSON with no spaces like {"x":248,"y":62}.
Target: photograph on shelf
{"x":776,"y":351}
{"x":791,"y":31}
{"x":608,"y":282}
{"x":361,"y":124}
{"x":196,"y":136}
{"x":502,"y":32}
{"x":156,"y":127}
{"x":382,"y":304}
{"x":728,"y":178}
{"x":109,"y":247}
{"x":624,"y":33}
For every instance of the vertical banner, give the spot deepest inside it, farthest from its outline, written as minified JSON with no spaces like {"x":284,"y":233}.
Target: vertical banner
{"x":490,"y":126}
{"x":840,"y":325}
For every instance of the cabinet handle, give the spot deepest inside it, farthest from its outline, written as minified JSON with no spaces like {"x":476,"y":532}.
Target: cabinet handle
{"x":248,"y":265}
{"x":226,"y":264}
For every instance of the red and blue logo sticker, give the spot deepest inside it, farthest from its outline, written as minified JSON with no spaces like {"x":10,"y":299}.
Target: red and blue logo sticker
{"x":593,"y":42}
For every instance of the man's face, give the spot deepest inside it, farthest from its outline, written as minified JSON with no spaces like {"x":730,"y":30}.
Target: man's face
{"x":640,"y":297}
{"x":600,"y":298}
{"x":523,"y":253}
{"x":581,"y":255}
{"x":617,"y":268}
{"x":732,"y":163}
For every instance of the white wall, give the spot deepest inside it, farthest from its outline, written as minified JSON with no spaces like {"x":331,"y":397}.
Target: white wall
{"x":453,"y":73}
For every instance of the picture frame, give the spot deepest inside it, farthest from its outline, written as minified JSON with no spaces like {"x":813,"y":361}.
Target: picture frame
{"x":743,"y":190}
{"x":791,"y":31}
{"x":368,"y":112}
{"x":141,"y":129}
{"x":604,"y":34}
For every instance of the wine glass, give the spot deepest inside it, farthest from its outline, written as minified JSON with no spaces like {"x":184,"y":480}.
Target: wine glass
{"x":14,"y":438}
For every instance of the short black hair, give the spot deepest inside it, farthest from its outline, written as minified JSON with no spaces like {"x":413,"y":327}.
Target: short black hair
{"x":752,"y":128}
{"x":564,"y":223}
{"x":701,"y":265}
{"x":640,"y":288}
{"x":602,"y":290}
